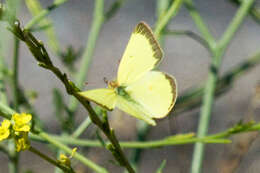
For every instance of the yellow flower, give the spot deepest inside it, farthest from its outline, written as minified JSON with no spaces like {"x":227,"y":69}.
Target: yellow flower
{"x":4,"y":129}
{"x":21,"y":122}
{"x":74,"y":150}
{"x":21,"y":141}
{"x":66,"y":160}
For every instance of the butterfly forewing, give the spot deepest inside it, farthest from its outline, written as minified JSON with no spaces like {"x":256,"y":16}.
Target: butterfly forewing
{"x":142,"y":54}
{"x":104,"y":97}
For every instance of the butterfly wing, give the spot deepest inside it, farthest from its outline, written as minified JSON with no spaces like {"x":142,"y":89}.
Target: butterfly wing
{"x":142,"y":54}
{"x":155,"y":92}
{"x":104,"y":97}
{"x":134,"y":109}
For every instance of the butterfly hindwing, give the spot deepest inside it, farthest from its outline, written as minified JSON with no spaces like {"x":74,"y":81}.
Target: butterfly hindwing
{"x":141,"y":55}
{"x":104,"y":97}
{"x":156,"y":92}
{"x":134,"y":109}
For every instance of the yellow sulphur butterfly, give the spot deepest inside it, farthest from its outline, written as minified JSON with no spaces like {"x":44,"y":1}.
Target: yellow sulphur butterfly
{"x":138,"y":90}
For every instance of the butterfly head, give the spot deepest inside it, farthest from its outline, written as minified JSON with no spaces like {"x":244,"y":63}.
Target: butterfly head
{"x":113,"y":84}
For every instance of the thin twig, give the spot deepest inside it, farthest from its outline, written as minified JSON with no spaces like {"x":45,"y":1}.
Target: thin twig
{"x":190,"y":34}
{"x":201,"y":25}
{"x":209,"y":92}
{"x":192,"y":98}
{"x":15,"y":73}
{"x":40,"y":54}
{"x":38,"y":18}
{"x":254,"y":10}
{"x":35,"y":8}
{"x":50,"y":160}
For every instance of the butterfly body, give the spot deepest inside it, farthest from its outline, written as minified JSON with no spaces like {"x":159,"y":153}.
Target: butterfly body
{"x":139,"y":90}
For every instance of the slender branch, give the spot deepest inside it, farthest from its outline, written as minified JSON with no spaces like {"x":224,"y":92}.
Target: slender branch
{"x":13,"y":164}
{"x":211,"y":84}
{"x":4,"y":149}
{"x":133,"y":144}
{"x":97,"y":22}
{"x":77,"y":156}
{"x":202,"y":27}
{"x":15,"y":73}
{"x":164,"y":20}
{"x":113,"y":9}
{"x":3,"y":97}
{"x":40,"y":54}
{"x":99,"y":18}
{"x":193,"y":97}
{"x":179,"y":139}
{"x":235,"y":23}
{"x":35,"y":20}
{"x":190,"y":34}
{"x":81,"y":128}
{"x":50,"y":160}
{"x":13,"y":6}
{"x":35,"y":8}
{"x":254,"y":10}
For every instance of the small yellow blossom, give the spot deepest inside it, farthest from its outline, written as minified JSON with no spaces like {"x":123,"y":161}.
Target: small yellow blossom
{"x":74,"y":150}
{"x":4,"y":129}
{"x":21,"y":122}
{"x":21,"y":141}
{"x":66,"y":160}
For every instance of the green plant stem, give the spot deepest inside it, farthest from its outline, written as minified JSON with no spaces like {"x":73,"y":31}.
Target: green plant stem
{"x":193,"y":97}
{"x":3,"y":97}
{"x":165,"y":18}
{"x":99,"y":19}
{"x":235,"y":23}
{"x":190,"y":34}
{"x":97,"y":22}
{"x":208,"y":96}
{"x":113,"y":9}
{"x":50,"y":160}
{"x":35,"y":20}
{"x":13,"y":6}
{"x":132,"y":144}
{"x":220,"y":137}
{"x":82,"y":127}
{"x":77,"y":156}
{"x":13,"y":158}
{"x":41,"y":55}
{"x":254,"y":10}
{"x":35,"y":9}
{"x":15,"y":73}
{"x":202,"y":27}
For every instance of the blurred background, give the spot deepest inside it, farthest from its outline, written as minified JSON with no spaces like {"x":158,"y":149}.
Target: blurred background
{"x":184,"y":58}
